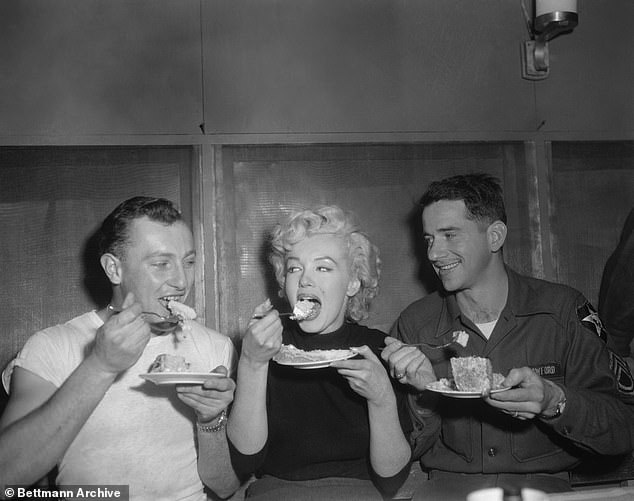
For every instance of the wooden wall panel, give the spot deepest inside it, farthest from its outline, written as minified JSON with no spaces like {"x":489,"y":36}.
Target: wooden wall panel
{"x":52,"y":200}
{"x":82,"y":68}
{"x":320,"y":66}
{"x":592,"y":194}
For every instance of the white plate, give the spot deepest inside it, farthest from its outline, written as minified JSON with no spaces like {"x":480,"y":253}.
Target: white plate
{"x":179,"y":377}
{"x":317,"y":364}
{"x":461,"y":394}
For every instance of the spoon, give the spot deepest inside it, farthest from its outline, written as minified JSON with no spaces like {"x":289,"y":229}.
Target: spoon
{"x":164,"y":326}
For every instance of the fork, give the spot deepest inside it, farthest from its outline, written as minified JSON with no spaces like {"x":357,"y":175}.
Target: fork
{"x":433,"y":346}
{"x":455,"y":338}
{"x":429,"y":345}
{"x":164,"y":326}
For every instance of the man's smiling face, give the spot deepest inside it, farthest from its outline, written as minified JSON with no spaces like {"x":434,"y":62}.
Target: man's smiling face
{"x":158,"y":263}
{"x":457,"y":247}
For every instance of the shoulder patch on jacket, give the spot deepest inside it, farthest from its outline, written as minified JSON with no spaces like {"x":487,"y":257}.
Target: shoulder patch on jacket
{"x":589,"y":318}
{"x":622,"y":373}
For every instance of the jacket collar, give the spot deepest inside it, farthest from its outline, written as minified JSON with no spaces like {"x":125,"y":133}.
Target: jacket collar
{"x":523,"y":297}
{"x":521,"y":301}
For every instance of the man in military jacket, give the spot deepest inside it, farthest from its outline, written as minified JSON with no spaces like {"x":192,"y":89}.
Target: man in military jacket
{"x":569,"y":394}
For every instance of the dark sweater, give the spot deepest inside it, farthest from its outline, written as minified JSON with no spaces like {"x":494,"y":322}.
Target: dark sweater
{"x":318,"y":426}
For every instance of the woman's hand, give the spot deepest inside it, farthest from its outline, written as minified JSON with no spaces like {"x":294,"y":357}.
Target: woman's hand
{"x":367,"y":376}
{"x":263,"y":338}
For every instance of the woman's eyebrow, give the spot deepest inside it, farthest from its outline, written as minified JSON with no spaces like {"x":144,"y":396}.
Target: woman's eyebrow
{"x":318,"y":258}
{"x":326,"y":258}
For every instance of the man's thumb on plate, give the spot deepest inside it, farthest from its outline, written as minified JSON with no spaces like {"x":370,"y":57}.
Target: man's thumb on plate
{"x":221,"y":369}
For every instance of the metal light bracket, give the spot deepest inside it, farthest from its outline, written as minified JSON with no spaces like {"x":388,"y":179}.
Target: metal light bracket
{"x":535,"y":55}
{"x":535,"y":60}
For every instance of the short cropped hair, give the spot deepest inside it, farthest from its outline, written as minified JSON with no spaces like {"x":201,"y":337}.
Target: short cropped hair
{"x":114,"y":233}
{"x":482,"y":195}
{"x":364,"y":255}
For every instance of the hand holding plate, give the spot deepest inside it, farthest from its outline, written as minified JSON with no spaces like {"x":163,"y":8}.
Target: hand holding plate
{"x":366,"y":376}
{"x":210,"y":398}
{"x":529,"y":396}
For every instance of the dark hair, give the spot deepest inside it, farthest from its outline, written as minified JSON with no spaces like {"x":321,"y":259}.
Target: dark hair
{"x":480,"y":192}
{"x":114,"y":231}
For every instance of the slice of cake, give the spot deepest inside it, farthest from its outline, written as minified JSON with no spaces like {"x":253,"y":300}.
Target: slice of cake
{"x":169,"y":363}
{"x":290,"y":354}
{"x":474,"y":374}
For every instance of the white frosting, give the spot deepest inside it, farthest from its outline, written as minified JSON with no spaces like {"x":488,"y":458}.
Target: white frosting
{"x":303,"y":309}
{"x":461,"y":337}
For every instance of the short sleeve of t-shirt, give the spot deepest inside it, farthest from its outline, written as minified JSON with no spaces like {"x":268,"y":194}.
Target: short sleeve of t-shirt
{"x":50,"y":354}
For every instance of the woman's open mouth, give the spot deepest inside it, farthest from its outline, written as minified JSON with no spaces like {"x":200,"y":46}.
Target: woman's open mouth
{"x":306,"y":308}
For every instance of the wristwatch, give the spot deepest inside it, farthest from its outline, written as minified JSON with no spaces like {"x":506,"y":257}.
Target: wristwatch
{"x":561,"y":405}
{"x":221,"y":420}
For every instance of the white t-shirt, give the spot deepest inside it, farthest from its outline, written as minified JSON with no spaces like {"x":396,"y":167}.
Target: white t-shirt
{"x":140,"y":434}
{"x":487,"y":328}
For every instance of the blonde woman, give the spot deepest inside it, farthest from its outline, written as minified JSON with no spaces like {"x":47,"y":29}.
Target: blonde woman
{"x":329,"y":433}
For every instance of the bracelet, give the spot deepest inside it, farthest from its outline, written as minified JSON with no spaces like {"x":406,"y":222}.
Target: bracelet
{"x":214,"y":428}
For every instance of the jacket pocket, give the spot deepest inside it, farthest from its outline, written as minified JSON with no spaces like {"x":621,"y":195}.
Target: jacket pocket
{"x":457,"y":435}
{"x":532,"y":441}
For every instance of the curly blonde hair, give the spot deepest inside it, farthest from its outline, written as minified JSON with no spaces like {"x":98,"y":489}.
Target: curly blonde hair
{"x":330,"y":219}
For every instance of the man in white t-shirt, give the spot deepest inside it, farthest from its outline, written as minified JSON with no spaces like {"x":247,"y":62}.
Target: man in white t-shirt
{"x":77,"y":401}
